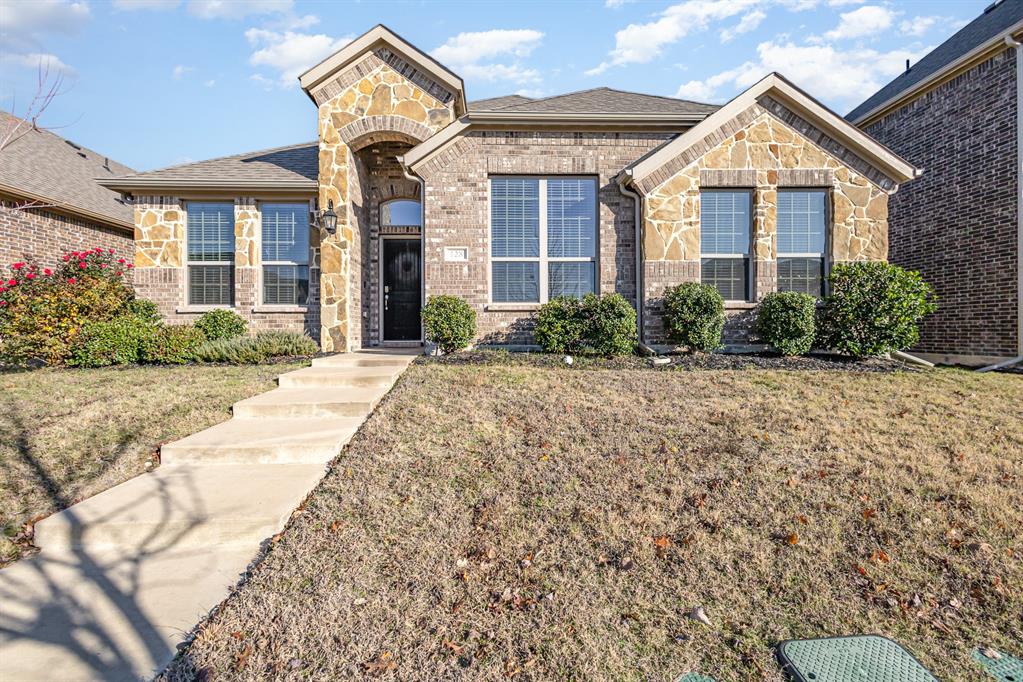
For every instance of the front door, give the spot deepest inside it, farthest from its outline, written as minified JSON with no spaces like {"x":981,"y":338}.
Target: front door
{"x":401,"y":290}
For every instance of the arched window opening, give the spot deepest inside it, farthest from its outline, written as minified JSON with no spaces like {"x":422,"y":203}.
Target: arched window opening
{"x":401,"y":213}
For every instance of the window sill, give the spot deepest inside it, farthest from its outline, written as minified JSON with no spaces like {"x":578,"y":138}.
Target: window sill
{"x":740,"y":305}
{"x":280,"y":309}
{"x":512,"y":307}
{"x":200,"y":309}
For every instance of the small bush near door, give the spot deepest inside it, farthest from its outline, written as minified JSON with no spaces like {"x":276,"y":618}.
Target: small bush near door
{"x":874,"y":308}
{"x":247,"y":350}
{"x":559,"y":325}
{"x":602,"y":325}
{"x":786,"y":321}
{"x":221,"y":324}
{"x":450,"y":322}
{"x":694,"y":316}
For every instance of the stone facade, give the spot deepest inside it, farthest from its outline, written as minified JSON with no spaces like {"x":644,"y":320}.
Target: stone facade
{"x":44,"y":235}
{"x":956,"y":224}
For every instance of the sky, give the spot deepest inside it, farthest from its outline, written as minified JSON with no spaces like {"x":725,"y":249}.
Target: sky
{"x":152,"y":83}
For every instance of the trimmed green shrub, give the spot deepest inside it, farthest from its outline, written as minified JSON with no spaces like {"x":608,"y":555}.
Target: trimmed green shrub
{"x":785,"y":320}
{"x":694,"y":316}
{"x":873,"y":308}
{"x":143,"y":309}
{"x":559,"y":325}
{"x":221,"y":323}
{"x":111,"y":342}
{"x":250,"y":350}
{"x":170,"y":345}
{"x":450,"y":322}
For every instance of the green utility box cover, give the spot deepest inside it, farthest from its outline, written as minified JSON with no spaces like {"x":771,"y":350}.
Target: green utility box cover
{"x":695,"y":677}
{"x":1005,"y":668}
{"x":857,"y":658}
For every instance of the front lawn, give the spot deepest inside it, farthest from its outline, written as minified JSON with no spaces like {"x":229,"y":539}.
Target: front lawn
{"x":504,"y":520}
{"x":69,"y":434}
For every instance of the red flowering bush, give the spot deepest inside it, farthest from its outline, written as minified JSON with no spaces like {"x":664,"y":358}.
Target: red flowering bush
{"x":42,"y":310}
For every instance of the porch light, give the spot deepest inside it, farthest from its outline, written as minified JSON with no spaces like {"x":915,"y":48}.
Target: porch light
{"x":328,"y":219}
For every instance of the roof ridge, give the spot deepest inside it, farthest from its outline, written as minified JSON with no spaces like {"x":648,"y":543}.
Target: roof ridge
{"x":220,"y":158}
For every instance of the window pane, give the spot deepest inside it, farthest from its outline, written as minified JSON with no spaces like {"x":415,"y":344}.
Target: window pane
{"x":285,"y":284}
{"x":724,"y":222}
{"x":401,"y":212}
{"x":801,"y":221}
{"x":570,"y":279}
{"x":285,"y":232}
{"x":805,"y":275}
{"x":516,"y":282}
{"x":210,"y":284}
{"x":515,"y":217}
{"x":727,"y":275}
{"x":571,"y":217}
{"x":210,"y":232}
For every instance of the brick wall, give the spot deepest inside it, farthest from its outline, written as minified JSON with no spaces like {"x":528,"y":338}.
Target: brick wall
{"x":957,"y":223}
{"x":45,"y":236}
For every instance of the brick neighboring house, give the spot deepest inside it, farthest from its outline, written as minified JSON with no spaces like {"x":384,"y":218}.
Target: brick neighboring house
{"x":508,"y":202}
{"x":956,"y":113}
{"x":50,"y":200}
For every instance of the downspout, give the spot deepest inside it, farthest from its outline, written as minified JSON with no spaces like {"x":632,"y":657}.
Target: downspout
{"x":1019,"y":210}
{"x":637,"y":203}
{"x":422,"y":241}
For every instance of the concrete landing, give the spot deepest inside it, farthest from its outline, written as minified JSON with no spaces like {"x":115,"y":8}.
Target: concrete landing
{"x":122,"y":577}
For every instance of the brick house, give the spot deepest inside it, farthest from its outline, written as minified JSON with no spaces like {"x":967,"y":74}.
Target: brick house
{"x":956,"y":113}
{"x":50,"y":199}
{"x":508,"y":202}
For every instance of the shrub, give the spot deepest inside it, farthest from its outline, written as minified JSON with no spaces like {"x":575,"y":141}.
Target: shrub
{"x":694,"y":316}
{"x":221,"y":323}
{"x":559,"y":325}
{"x":874,"y":308}
{"x":785,"y":320}
{"x":170,"y":345}
{"x":112,"y":342}
{"x":144,"y":309}
{"x":450,"y":322}
{"x":249,"y":350}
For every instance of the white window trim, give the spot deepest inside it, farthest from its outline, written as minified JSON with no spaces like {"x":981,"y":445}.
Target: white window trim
{"x":307,"y":263}
{"x":823,"y":255}
{"x":543,"y":260}
{"x":203,"y":307}
{"x":751,"y":294}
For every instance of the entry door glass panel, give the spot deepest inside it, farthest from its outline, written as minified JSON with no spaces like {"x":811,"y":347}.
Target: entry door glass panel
{"x":401,"y":290}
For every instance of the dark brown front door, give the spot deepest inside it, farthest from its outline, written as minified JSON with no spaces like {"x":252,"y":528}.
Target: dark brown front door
{"x":401,"y":290}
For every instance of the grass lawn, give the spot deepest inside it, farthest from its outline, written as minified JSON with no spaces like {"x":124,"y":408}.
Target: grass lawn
{"x":512,"y":521}
{"x":69,"y":434}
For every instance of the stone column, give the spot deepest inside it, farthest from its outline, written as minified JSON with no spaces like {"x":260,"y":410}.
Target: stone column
{"x":335,"y":162}
{"x":765,"y":231}
{"x":247,"y":256}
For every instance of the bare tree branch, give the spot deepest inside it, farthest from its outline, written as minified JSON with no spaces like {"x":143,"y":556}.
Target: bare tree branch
{"x":48,"y":88}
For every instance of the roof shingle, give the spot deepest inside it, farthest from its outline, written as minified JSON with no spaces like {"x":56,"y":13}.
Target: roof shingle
{"x":493,"y":103}
{"x":610,"y":101}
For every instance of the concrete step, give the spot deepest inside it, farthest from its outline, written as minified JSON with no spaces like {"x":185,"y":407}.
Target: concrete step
{"x":264,"y":441}
{"x":184,"y":506}
{"x":366,"y":359}
{"x":369,"y":377}
{"x":310,"y":402}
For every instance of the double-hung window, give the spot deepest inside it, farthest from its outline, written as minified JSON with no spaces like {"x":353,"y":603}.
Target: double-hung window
{"x":210,"y":253}
{"x":725,"y":227}
{"x":543,"y":238}
{"x":285,"y":232}
{"x":802,"y":235}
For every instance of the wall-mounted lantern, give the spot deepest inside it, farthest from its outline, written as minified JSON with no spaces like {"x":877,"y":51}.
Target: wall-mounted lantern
{"x":328,"y":219}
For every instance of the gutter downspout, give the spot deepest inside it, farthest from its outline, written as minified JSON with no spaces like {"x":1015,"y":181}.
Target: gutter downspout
{"x":422,"y":243}
{"x":1009,"y":41}
{"x":637,"y":202}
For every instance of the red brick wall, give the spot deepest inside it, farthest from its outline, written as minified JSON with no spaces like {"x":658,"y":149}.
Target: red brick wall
{"x":45,"y":236}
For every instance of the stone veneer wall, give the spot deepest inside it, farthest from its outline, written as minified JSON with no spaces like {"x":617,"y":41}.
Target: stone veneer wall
{"x":380,"y":98}
{"x":764,"y":148}
{"x":457,"y":203}
{"x":43,"y":235}
{"x":956,"y":224}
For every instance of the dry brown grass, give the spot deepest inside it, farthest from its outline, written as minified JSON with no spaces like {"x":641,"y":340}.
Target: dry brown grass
{"x":512,"y":521}
{"x":69,"y":434}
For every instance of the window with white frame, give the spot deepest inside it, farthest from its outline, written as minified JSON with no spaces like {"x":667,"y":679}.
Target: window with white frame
{"x":210,"y":263}
{"x":802,"y":236}
{"x":543,"y":238}
{"x":725,"y":227}
{"x":285,"y":233}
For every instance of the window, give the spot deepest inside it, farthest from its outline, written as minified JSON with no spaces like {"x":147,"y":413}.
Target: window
{"x":400,"y":212}
{"x":543,"y":238}
{"x":802,"y":225}
{"x":285,"y":231}
{"x":724,"y":243}
{"x":210,"y":253}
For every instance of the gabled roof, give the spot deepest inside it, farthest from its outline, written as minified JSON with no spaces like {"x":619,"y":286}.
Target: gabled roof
{"x":778,"y":87}
{"x":294,"y":167}
{"x":1000,"y":19}
{"x":381,"y":35}
{"x":609,"y":101}
{"x":53,"y":171}
{"x":492,"y":103}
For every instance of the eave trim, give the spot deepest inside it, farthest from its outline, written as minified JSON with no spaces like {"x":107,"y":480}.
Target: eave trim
{"x":65,"y":207}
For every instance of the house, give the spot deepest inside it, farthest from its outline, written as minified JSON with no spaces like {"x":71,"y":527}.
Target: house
{"x":410,"y":191}
{"x":956,"y":113}
{"x":50,"y":199}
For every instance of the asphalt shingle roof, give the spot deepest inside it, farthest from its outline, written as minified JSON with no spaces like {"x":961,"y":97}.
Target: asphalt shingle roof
{"x":609,"y":101}
{"x":493,"y":103}
{"x":997,"y":18}
{"x":43,"y":164}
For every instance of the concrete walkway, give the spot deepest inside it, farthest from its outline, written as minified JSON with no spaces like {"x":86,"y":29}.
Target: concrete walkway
{"x":123,"y":576}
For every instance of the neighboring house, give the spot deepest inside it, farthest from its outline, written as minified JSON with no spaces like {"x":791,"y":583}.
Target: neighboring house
{"x":508,"y":202}
{"x":956,"y":113}
{"x":50,"y":200}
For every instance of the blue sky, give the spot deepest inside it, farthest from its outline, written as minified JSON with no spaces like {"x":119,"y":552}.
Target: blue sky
{"x":157,"y":82}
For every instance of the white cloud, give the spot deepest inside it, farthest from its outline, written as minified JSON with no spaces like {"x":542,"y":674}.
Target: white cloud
{"x":262,"y":81}
{"x":156,"y":5}
{"x":615,"y":4}
{"x":918,"y":26}
{"x":865,"y":21}
{"x":290,"y":53}
{"x":749,"y":22}
{"x":236,"y":9}
{"x":472,"y":55}
{"x":180,"y":70}
{"x":210,"y":83}
{"x":39,"y":60}
{"x":43,"y":16}
{"x":640,"y":43}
